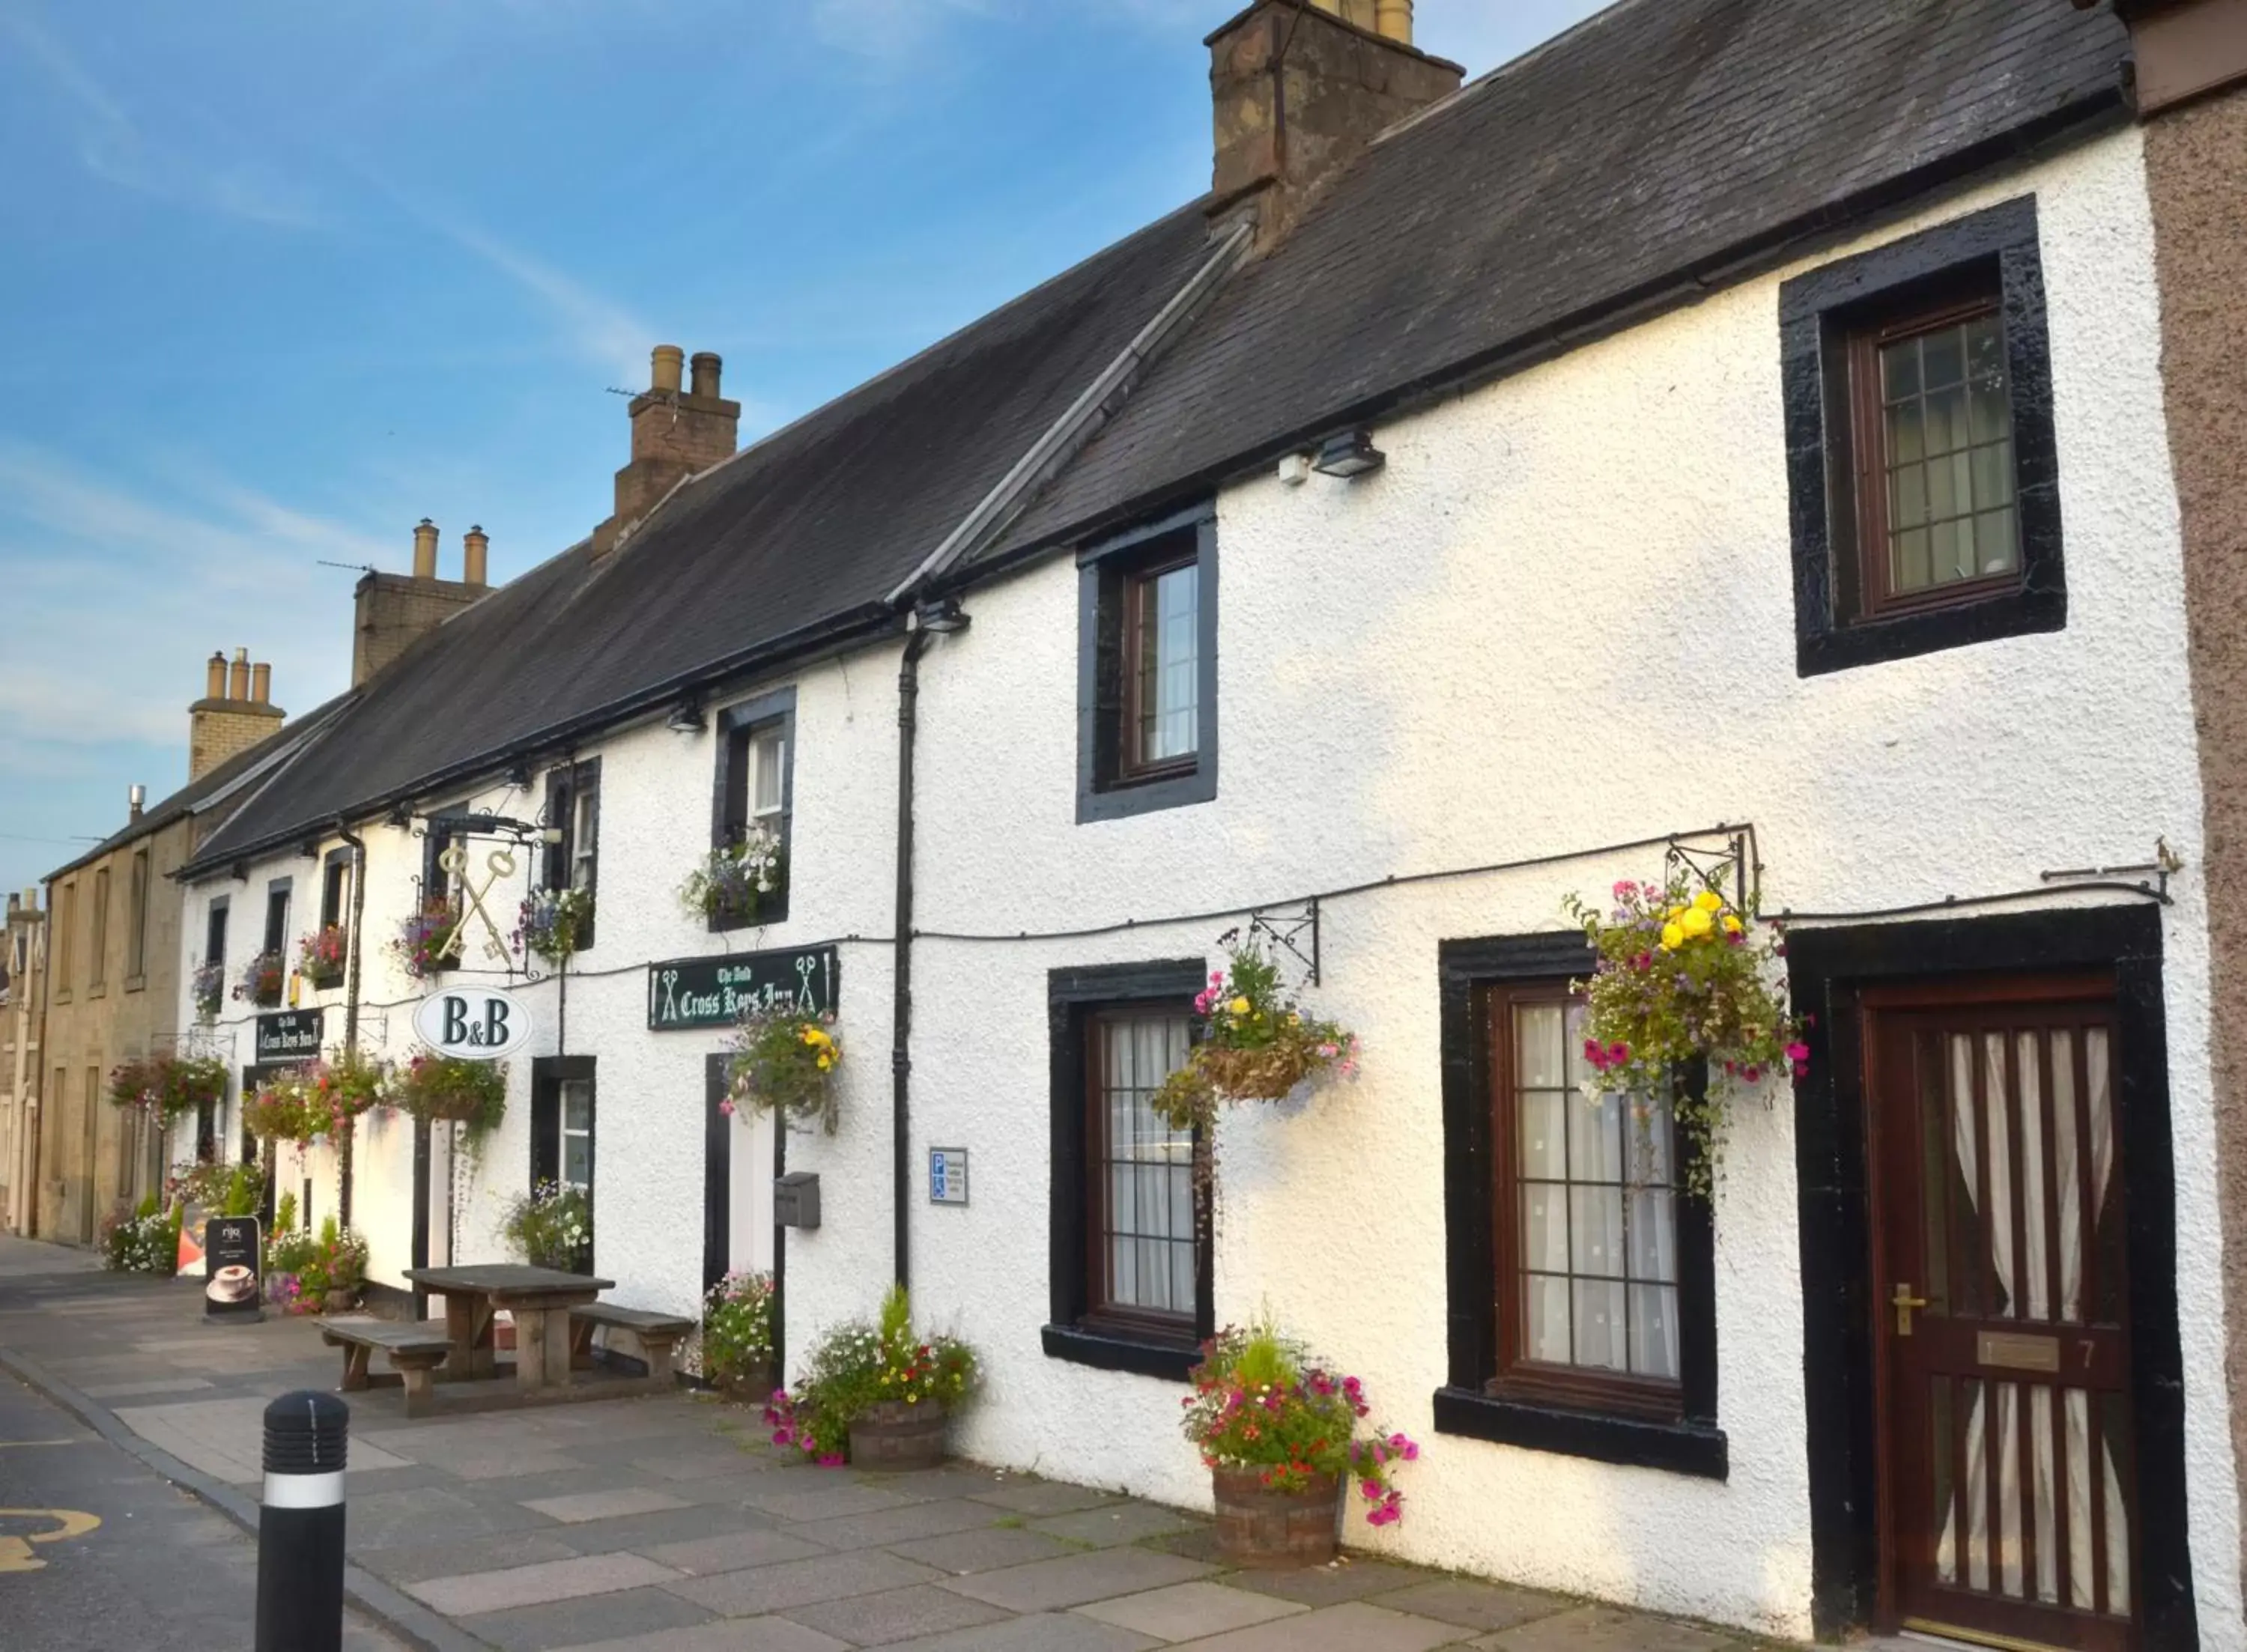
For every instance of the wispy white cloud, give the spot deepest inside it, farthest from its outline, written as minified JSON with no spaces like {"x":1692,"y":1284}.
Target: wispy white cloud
{"x":114,"y":147}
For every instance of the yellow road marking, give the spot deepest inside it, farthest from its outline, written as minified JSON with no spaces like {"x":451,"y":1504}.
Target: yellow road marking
{"x":15,"y":1551}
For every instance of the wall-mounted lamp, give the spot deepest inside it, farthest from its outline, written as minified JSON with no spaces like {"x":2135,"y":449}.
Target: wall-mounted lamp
{"x":1351,"y":453}
{"x":688,"y":719}
{"x":1295,"y":469}
{"x":941,"y":615}
{"x":519,"y":775}
{"x":401,"y":815}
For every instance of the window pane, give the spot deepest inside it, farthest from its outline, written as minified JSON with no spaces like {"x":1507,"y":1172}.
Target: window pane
{"x":1942,"y":358}
{"x":1600,"y":1333}
{"x":770,"y":753}
{"x":1654,"y":1236}
{"x":1948,"y":405}
{"x":1169,"y":688}
{"x":1544,"y":1134}
{"x":1595,"y":1231}
{"x":1545,"y":1320}
{"x":1654,"y":1331}
{"x":576,"y":1105}
{"x":1537,"y":1044}
{"x":1649,"y":1142}
{"x":576,"y":1161}
{"x":1900,"y":370}
{"x":1544,"y":1228}
{"x":1596,"y":1139}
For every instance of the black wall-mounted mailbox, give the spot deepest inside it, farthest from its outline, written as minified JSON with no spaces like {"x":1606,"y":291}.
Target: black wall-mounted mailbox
{"x":795,"y":1199}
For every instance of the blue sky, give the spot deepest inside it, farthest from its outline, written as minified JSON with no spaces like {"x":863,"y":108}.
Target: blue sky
{"x":280,"y":280}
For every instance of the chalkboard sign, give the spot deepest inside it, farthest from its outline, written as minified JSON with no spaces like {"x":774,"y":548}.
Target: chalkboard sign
{"x":235,"y":1286}
{"x":291,"y":1035}
{"x":688,"y":992}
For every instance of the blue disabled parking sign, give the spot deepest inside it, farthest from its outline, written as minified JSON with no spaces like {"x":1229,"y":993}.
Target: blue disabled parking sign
{"x":947,"y":1175}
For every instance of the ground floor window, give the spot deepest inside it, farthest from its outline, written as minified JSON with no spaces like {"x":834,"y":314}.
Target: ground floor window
{"x":561,"y":1132}
{"x":1129,"y":1253}
{"x":1581,"y":1281}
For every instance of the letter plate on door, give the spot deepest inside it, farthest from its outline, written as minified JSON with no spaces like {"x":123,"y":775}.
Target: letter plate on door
{"x":2015,"y":1353}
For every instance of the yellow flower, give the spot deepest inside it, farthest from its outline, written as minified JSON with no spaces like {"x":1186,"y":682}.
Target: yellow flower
{"x":1709,"y":901}
{"x":1733,"y":925}
{"x":826,"y":1062}
{"x":1672,"y":938}
{"x":1675,"y":913}
{"x":1696,"y":922}
{"x":1294,"y":1019}
{"x":1239,"y":1007}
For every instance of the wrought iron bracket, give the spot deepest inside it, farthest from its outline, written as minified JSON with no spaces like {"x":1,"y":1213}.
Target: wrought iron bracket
{"x":1290,"y":931}
{"x":1735,"y":862}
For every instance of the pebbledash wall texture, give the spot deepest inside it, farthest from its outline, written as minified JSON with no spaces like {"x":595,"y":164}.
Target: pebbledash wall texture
{"x":1504,"y":647}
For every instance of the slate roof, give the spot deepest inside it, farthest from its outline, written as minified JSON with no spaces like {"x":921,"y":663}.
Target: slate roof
{"x":808,"y":530}
{"x":1658,"y":148}
{"x":1657,"y":140}
{"x":242,"y":770}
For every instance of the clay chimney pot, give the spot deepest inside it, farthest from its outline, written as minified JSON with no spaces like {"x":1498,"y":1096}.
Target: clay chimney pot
{"x":238,"y":686}
{"x":425,"y":549}
{"x":215,"y":676}
{"x":707,"y":367}
{"x":475,"y":547}
{"x":665,"y":367}
{"x":261,"y":683}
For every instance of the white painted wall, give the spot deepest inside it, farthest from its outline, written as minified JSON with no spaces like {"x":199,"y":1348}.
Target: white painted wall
{"x":1560,"y":618}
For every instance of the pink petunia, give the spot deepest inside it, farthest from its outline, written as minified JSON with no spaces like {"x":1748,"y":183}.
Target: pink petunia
{"x":1798,"y":1052}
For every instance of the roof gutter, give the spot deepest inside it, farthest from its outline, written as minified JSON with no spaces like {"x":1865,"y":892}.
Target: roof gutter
{"x":866,"y":622}
{"x":1082,"y":417}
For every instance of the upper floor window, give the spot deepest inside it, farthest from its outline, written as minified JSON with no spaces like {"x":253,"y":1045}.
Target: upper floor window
{"x":66,"y":939}
{"x":98,"y":950}
{"x":136,"y":933}
{"x":215,"y":935}
{"x":1921,"y":453}
{"x":756,"y":789}
{"x":335,"y":888}
{"x":573,"y":807}
{"x":277,"y":917}
{"x":1147,"y":669}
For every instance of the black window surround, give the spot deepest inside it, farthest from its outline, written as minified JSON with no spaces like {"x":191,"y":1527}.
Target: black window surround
{"x":548,"y":1074}
{"x":1103,"y":792}
{"x":335,"y":887}
{"x":215,"y":931}
{"x":1825,"y":968}
{"x":1072,"y":998}
{"x":566,"y":788}
{"x":279,"y":894}
{"x":739,"y":726}
{"x":1692,"y":1445}
{"x":1818,"y":311}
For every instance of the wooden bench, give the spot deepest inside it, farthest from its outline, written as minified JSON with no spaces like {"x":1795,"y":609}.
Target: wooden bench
{"x":660,"y":1335}
{"x":415,"y":1351}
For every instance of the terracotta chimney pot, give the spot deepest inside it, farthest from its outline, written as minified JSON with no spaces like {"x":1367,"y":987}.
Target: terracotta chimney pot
{"x":707,"y":367}
{"x":238,"y":686}
{"x":475,"y":547}
{"x":425,"y":549}
{"x":261,"y":683}
{"x":215,"y":676}
{"x":668,"y":361}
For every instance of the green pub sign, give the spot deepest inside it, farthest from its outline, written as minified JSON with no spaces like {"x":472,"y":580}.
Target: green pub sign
{"x":690,"y":992}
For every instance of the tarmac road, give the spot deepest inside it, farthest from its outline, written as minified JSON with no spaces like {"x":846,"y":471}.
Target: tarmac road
{"x":97,"y":1553}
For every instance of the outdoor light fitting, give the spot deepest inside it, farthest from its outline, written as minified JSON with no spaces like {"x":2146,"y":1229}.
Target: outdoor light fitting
{"x":1351,"y":453}
{"x":688,"y":719}
{"x":941,"y":615}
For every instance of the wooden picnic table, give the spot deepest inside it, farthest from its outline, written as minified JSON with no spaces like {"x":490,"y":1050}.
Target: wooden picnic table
{"x":539,"y":1298}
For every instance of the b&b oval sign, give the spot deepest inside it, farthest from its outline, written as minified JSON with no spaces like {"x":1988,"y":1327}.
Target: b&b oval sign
{"x":473,"y":1023}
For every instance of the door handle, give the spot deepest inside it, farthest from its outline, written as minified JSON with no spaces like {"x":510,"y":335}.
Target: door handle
{"x":1904,"y":1302}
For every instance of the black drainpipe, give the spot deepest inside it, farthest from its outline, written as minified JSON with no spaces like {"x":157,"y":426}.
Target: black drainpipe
{"x":351,"y":1008}
{"x":901,"y":1036}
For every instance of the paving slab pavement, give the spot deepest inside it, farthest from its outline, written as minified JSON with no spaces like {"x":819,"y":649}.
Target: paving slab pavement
{"x":670,"y":1524}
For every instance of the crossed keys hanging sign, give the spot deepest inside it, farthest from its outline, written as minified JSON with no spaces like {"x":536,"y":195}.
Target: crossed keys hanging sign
{"x":499,"y":863}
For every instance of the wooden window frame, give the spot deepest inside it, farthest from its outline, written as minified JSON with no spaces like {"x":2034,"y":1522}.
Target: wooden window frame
{"x":1518,"y":1376}
{"x":1111,"y":782}
{"x":1972,"y":296}
{"x":738,"y":728}
{"x":1100,"y":1313}
{"x":335,"y":889}
{"x":1076,"y":1330}
{"x":548,"y":1074}
{"x":1586,"y":1421}
{"x":1902,"y":285}
{"x":280,"y":897}
{"x":1136,"y":588}
{"x":136,"y":936}
{"x":566,"y":788}
{"x":215,"y":927}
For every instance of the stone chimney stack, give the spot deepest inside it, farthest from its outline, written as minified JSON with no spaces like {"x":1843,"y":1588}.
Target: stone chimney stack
{"x":392,"y":611}
{"x":1299,"y":88}
{"x":234,"y":713}
{"x":675,"y":434}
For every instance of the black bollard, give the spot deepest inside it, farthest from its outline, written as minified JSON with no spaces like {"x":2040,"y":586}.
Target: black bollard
{"x":300,"y":1528}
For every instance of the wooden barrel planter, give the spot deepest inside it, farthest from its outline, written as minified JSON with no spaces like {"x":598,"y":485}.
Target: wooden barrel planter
{"x":1265,"y":1530}
{"x":893,"y":1435}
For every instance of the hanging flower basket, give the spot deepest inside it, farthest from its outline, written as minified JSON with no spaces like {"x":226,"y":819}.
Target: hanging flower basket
{"x":322,"y":955}
{"x":168,"y":1086}
{"x":741,"y":884}
{"x":783,"y":1062}
{"x":553,"y":922}
{"x":262,"y":980}
{"x":208,"y":987}
{"x":317,"y":1100}
{"x":1685,"y":976}
{"x":428,"y":942}
{"x":1256,"y":1044}
{"x":447,"y":1090}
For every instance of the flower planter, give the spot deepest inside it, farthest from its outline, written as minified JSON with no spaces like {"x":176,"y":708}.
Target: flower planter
{"x":894,"y":1436}
{"x":1272,"y":1530}
{"x":753,"y":1385}
{"x":1265,"y":1075}
{"x":341,"y":1299}
{"x":323,"y":980}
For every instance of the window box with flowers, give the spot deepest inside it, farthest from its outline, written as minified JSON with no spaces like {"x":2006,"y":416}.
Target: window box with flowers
{"x":741,"y":884}
{"x":783,"y":1062}
{"x":553,"y":922}
{"x":428,"y":942}
{"x":208,"y":987}
{"x":323,"y":955}
{"x":262,"y":978}
{"x":1278,"y":1433}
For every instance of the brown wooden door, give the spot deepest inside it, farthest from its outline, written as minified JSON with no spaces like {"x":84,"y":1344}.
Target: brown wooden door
{"x":2008,"y":1493}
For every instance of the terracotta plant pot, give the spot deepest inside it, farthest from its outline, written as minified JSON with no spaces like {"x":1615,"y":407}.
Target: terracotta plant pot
{"x":752,"y":1385}
{"x":1272,"y":1530}
{"x":341,"y":1299}
{"x":894,"y":1436}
